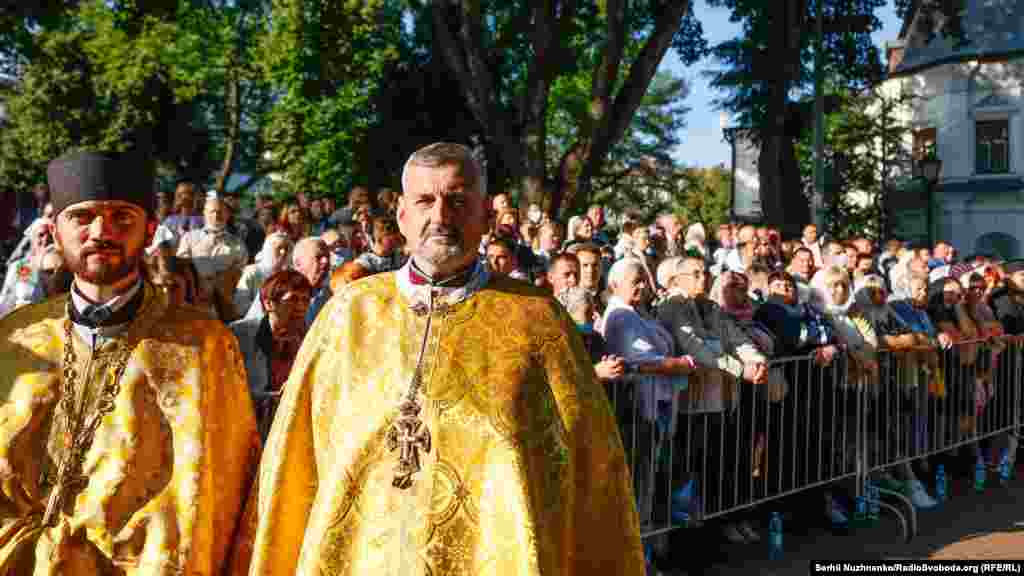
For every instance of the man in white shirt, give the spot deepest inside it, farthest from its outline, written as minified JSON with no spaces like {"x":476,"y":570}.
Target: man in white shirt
{"x":213,"y":249}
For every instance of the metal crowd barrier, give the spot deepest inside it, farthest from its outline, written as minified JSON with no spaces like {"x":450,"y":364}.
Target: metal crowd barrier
{"x":721,"y":447}
{"x":935,"y":401}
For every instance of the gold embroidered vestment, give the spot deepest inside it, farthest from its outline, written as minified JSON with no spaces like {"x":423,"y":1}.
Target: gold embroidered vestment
{"x":525,"y":473}
{"x":168,"y":468}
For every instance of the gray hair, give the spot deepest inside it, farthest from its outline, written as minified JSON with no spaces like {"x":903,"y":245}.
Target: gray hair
{"x":574,"y":297}
{"x":669,"y":269}
{"x":621,"y":268}
{"x":301,"y":245}
{"x":443,"y":154}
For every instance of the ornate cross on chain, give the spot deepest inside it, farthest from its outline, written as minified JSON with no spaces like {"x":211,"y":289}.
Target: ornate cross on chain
{"x":408,"y":433}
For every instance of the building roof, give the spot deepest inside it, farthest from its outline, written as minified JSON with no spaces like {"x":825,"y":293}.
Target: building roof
{"x":993,"y":30}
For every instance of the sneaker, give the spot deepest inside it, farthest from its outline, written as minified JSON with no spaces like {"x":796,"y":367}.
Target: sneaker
{"x":835,"y":513}
{"x":919,"y":496}
{"x":748,"y":532}
{"x":733,"y":535}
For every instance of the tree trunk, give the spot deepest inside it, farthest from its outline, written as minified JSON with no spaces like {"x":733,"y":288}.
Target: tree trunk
{"x":613,"y":122}
{"x":533,"y":109}
{"x":232,"y":111}
{"x":782,"y":201}
{"x":566,"y":185}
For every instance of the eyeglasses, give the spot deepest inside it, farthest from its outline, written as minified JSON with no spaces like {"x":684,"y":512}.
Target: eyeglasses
{"x":695,"y":274}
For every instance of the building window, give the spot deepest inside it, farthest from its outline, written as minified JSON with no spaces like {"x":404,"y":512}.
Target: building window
{"x":992,"y":154}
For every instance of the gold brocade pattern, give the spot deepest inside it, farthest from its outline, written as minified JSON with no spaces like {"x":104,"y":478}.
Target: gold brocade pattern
{"x":169,"y":464}
{"x":526,"y":475}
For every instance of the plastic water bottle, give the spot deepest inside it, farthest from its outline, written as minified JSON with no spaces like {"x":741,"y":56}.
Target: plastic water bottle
{"x":1004,"y":467}
{"x":940,"y":483}
{"x":979,"y":475}
{"x":860,"y":514}
{"x":874,"y":508}
{"x":682,"y":499}
{"x":775,"y":536}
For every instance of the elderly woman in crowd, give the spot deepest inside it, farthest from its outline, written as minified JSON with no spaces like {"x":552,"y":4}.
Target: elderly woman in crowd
{"x":581,"y":230}
{"x":724,"y":355}
{"x":731,"y":291}
{"x":654,"y":376}
{"x":892,"y":344}
{"x":802,"y":330}
{"x":273,"y":257}
{"x":852,"y":331}
{"x":22,"y":284}
{"x":922,"y":370}
{"x":270,"y":343}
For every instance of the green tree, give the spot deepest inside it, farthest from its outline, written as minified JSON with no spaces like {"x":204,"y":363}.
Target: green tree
{"x":650,"y":187}
{"x":510,"y":58}
{"x":325,"y":62}
{"x":866,"y":154}
{"x":21,"y":24}
{"x":706,"y":197}
{"x":175,"y":80}
{"x":770,"y":63}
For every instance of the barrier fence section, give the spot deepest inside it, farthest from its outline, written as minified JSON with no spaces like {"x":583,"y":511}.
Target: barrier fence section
{"x":719,"y":446}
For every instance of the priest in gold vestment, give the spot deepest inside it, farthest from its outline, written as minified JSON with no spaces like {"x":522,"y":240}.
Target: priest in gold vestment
{"x":127,"y":439}
{"x":442,"y":421}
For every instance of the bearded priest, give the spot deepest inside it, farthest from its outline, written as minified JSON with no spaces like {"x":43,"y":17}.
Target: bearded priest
{"x":440,"y":420}
{"x":127,"y":440}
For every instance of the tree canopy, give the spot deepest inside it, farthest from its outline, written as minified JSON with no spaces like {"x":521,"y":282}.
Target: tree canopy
{"x":562,"y":98}
{"x":769,"y":68}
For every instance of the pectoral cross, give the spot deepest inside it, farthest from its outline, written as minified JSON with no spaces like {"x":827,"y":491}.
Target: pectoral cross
{"x":408,"y":435}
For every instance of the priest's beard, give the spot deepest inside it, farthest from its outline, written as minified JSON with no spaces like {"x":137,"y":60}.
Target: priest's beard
{"x":103,"y":272}
{"x":441,"y":247}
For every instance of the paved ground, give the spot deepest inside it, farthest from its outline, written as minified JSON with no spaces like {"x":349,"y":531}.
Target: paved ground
{"x":969,"y":525}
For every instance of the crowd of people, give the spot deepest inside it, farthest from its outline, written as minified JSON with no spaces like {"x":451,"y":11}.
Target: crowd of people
{"x":658,"y":304}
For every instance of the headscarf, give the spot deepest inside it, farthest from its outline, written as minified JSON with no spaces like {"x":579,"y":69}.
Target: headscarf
{"x":743,"y":312}
{"x":882,"y":318}
{"x":899,"y":274}
{"x":265,"y":257}
{"x":570,"y":230}
{"x":836,"y":308}
{"x":695,"y":238}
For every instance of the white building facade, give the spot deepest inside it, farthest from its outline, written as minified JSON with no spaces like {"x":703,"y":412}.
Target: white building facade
{"x":969,"y":108}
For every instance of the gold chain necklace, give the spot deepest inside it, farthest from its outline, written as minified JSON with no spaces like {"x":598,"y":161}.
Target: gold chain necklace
{"x":78,"y":430}
{"x":408,"y":433}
